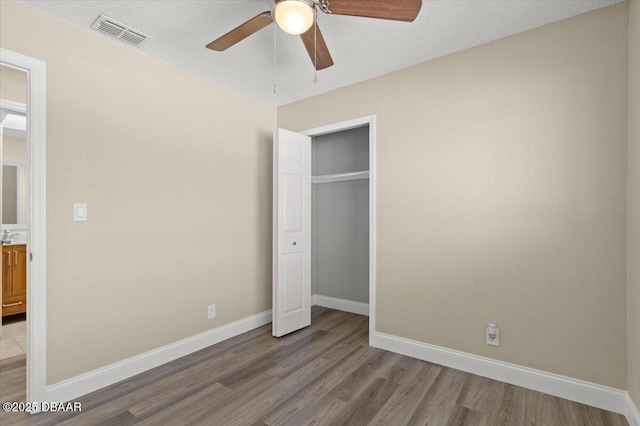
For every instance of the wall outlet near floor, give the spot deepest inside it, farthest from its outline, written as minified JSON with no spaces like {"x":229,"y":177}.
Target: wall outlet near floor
{"x":211,"y":311}
{"x":493,"y":335}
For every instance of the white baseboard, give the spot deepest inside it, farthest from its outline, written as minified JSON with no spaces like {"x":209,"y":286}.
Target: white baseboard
{"x":340,"y":304}
{"x":599,"y":396}
{"x":632,"y":412}
{"x":83,"y":384}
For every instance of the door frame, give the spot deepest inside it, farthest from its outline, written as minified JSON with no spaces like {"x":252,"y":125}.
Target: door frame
{"x":36,"y":108}
{"x":347,"y":125}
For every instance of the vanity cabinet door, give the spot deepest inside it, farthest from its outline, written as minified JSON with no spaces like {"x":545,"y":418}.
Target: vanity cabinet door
{"x":6,"y":272}
{"x":14,"y":279}
{"x":19,"y":259}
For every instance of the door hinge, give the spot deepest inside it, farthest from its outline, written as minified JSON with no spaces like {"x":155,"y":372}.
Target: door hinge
{"x":30,"y":257}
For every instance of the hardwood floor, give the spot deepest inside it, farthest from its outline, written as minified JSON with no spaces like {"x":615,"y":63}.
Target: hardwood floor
{"x":325,"y":374}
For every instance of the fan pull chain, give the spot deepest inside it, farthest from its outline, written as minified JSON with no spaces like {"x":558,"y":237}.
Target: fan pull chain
{"x":275,"y":58}
{"x":315,"y":46}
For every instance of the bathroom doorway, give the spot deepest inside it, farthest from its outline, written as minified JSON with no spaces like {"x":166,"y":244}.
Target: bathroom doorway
{"x":14,"y":211}
{"x":23,"y":153}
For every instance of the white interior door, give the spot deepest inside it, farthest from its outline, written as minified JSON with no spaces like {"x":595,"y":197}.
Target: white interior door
{"x":291,"y":232}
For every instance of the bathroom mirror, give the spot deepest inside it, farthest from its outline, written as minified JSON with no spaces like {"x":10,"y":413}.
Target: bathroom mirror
{"x":14,"y":168}
{"x":14,"y":194}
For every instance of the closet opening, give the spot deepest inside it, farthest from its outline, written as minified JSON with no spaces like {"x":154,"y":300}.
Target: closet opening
{"x":324,"y":222}
{"x":340,"y":220}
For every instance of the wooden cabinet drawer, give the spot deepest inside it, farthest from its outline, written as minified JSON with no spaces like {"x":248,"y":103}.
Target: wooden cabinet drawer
{"x":14,"y":305}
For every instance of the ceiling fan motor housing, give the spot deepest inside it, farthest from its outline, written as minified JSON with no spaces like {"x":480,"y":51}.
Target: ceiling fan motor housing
{"x":293,"y":16}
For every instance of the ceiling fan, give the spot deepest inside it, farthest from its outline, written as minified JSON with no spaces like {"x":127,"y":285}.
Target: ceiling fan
{"x":297,"y":17}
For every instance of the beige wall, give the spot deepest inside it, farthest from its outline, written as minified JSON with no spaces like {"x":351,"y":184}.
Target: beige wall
{"x":13,"y":83}
{"x":501,"y":195}
{"x":14,"y":149}
{"x":633,"y":212}
{"x":177,"y":175}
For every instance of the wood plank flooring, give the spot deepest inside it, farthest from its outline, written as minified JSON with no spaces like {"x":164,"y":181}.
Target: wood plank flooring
{"x":325,"y":374}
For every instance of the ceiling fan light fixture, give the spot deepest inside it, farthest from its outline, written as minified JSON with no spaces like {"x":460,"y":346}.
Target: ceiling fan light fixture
{"x":293,"y":16}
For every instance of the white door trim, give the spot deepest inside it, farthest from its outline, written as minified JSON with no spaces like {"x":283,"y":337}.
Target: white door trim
{"x":352,"y":124}
{"x":37,"y":236}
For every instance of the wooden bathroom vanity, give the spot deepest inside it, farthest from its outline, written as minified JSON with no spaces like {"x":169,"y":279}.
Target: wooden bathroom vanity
{"x":14,"y":279}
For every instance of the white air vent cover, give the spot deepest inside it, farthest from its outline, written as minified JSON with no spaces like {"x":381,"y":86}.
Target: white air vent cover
{"x":116,"y":29}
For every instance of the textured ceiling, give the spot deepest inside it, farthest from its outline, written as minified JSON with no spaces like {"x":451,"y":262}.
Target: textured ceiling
{"x":361,"y":48}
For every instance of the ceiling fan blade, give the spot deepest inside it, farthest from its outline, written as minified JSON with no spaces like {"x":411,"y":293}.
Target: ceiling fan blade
{"x":313,"y":40}
{"x":241,"y":32}
{"x":396,"y":10}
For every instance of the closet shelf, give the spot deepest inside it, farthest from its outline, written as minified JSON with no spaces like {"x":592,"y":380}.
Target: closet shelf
{"x":338,"y":177}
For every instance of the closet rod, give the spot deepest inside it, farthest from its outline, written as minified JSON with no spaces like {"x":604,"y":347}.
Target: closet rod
{"x":339,"y":177}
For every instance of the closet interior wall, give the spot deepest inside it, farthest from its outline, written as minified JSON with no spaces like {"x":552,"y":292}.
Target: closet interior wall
{"x":340,"y":216}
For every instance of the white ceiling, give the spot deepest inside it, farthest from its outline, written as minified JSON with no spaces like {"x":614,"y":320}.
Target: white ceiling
{"x":361,"y":48}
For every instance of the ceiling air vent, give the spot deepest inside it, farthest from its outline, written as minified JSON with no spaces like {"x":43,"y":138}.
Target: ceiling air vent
{"x":116,"y":29}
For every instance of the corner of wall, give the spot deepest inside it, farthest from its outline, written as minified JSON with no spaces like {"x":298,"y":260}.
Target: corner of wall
{"x":633,"y":210}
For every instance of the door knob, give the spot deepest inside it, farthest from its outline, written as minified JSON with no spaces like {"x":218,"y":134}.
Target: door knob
{"x":294,"y":243}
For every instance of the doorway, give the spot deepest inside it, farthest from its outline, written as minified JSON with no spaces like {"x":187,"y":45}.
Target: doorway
{"x":324,"y":181}
{"x":14,"y":212}
{"x":33,"y":257}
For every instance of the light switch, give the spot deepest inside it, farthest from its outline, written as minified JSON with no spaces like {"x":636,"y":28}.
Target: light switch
{"x":80,"y":213}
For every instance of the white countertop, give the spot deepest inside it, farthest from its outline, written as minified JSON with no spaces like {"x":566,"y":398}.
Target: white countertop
{"x":18,"y":237}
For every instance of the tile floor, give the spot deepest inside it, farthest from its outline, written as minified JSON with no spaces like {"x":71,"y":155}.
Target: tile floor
{"x":13,"y":341}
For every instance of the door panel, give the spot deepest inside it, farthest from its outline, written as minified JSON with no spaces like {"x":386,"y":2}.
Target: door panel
{"x":293,"y":154}
{"x":293,"y":197}
{"x":292,"y":232}
{"x":292,"y":274}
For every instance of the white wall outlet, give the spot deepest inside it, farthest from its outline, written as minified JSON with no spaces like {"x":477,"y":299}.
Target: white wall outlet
{"x":211,"y":311}
{"x":493,"y":335}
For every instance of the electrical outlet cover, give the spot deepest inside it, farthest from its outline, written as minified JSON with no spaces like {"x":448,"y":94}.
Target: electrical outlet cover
{"x":496,"y":341}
